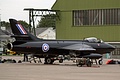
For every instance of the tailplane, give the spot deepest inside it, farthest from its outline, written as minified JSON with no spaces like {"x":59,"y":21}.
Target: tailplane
{"x":20,"y":33}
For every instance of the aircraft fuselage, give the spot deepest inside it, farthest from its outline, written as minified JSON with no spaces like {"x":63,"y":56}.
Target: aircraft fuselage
{"x":54,"y":47}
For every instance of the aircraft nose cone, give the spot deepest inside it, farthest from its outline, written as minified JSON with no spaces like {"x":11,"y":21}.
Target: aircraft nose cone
{"x":110,"y":47}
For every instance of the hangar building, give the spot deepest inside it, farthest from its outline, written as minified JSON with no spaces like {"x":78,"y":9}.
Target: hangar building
{"x":79,"y":19}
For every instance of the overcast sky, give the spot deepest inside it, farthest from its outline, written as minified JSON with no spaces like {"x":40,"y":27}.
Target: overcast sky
{"x":14,"y":8}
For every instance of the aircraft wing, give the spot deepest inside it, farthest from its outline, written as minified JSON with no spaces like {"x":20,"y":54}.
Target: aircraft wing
{"x":79,"y":47}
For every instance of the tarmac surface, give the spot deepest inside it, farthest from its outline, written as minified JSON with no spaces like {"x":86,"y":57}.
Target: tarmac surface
{"x":58,"y":71}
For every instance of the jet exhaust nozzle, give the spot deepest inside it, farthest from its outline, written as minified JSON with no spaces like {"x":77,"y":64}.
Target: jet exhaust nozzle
{"x":10,"y":46}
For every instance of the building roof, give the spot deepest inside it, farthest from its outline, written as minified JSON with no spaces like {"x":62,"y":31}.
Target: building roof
{"x":4,"y":32}
{"x":40,"y":30}
{"x":4,"y":35}
{"x":49,"y":33}
{"x":1,"y":32}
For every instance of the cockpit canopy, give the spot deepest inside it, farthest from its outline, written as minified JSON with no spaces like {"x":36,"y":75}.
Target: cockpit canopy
{"x":93,"y":40}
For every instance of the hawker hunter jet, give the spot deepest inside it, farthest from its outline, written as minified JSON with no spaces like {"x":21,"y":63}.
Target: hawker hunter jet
{"x":27,"y":43}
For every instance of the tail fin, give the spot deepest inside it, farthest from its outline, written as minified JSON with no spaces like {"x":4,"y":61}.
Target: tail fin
{"x":20,"y":33}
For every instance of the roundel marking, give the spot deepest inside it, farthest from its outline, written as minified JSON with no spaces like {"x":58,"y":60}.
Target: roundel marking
{"x":45,"y":47}
{"x":98,"y":44}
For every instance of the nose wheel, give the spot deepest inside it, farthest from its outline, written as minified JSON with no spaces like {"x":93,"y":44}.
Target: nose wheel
{"x":100,"y":62}
{"x":97,"y":61}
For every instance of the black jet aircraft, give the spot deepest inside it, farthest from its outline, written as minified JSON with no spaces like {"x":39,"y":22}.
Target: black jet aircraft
{"x":27,"y":43}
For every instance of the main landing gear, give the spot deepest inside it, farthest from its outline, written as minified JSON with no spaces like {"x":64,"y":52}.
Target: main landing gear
{"x":49,"y":60}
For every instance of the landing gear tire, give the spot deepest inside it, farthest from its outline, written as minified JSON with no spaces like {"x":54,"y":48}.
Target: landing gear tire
{"x":88,"y":63}
{"x":48,"y":61}
{"x":79,"y":65}
{"x":14,"y":61}
{"x":19,"y":61}
{"x":100,"y":62}
{"x":61,"y":61}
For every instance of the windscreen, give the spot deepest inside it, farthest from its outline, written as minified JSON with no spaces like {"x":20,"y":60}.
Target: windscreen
{"x":93,"y":40}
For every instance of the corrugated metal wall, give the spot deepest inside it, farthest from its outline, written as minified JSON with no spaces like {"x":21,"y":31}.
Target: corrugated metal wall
{"x":66,"y":30}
